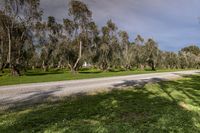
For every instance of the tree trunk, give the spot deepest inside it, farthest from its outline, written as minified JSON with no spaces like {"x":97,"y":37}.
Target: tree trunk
{"x":59,"y":64}
{"x":1,"y":58}
{"x":2,"y":67}
{"x":153,"y":66}
{"x":79,"y":57}
{"x":104,"y":66}
{"x":9,"y":49}
{"x":15,"y":70}
{"x":127,"y":64}
{"x":141,"y":67}
{"x":44,"y":66}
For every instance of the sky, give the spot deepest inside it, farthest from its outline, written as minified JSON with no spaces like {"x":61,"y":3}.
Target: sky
{"x":174,"y":24}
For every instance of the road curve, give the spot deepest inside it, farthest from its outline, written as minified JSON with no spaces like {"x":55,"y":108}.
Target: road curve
{"x":16,"y":95}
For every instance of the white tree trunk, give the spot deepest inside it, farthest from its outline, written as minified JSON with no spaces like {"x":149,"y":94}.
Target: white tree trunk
{"x":9,"y":48}
{"x":80,"y":56}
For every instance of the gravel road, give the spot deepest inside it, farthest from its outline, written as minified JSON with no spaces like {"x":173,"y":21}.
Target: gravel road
{"x":16,"y":95}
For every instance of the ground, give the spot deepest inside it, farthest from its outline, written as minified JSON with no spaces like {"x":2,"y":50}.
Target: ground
{"x":170,"y":106}
{"x":37,"y":75}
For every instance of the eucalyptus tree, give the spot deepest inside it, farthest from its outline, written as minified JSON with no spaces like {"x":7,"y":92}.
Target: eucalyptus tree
{"x":67,"y":52}
{"x":93,"y":40}
{"x":126,"y":49}
{"x":189,"y":57}
{"x":183,"y":60}
{"x":3,"y":49}
{"x":151,"y":51}
{"x":5,"y":24}
{"x":69,"y":28}
{"x":171,"y":60}
{"x":41,"y":40}
{"x":51,"y":48}
{"x":139,"y":52}
{"x":103,"y":57}
{"x":108,"y":50}
{"x":191,"y":49}
{"x":192,"y":60}
{"x":49,"y":37}
{"x":139,"y":40}
{"x":17,"y":21}
{"x":81,"y":16}
{"x":113,"y":42}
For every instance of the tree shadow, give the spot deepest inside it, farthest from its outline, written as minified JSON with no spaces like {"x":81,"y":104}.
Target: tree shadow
{"x":42,"y":73}
{"x":138,"y":83}
{"x":128,"y":110}
{"x":87,"y":72}
{"x":27,"y":99}
{"x":188,"y":88}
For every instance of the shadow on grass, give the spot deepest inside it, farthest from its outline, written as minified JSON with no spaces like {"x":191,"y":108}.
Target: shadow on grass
{"x":43,"y":73}
{"x":131,"y":110}
{"x":189,"y":88}
{"x":88,"y":72}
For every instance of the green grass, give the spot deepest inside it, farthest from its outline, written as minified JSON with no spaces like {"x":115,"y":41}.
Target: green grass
{"x":38,"y":75}
{"x":172,"y":106}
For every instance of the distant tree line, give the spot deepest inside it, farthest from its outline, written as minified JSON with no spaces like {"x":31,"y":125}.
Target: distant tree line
{"x":28,"y":42}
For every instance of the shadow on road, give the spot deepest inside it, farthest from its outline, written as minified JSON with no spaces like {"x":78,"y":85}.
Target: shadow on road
{"x":138,"y":83}
{"x":27,"y":99}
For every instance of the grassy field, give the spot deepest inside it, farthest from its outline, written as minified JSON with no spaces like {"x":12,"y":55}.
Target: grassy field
{"x":172,"y":106}
{"x":36,"y":76}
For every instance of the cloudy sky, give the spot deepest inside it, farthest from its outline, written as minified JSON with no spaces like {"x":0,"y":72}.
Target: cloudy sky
{"x":172,"y":23}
